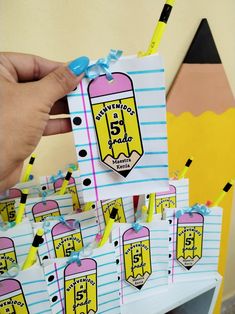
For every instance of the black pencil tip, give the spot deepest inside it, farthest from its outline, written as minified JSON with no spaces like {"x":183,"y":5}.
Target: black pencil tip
{"x":203,"y":48}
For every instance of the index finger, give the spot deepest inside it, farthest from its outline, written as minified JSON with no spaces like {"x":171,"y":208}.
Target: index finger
{"x":26,"y":67}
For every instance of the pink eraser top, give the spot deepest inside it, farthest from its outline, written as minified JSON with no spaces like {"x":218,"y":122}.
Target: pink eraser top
{"x":102,"y":87}
{"x":131,"y":234}
{"x":14,"y":193}
{"x":172,"y":190}
{"x":86,"y":265}
{"x":61,"y":228}
{"x":190,"y":218}
{"x":43,"y":207}
{"x":58,"y":183}
{"x":6,"y":243}
{"x":9,"y":286}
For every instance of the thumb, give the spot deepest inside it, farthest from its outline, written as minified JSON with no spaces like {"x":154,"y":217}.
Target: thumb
{"x":62,"y":80}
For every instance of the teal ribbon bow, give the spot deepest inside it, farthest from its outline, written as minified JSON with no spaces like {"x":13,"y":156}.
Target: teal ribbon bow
{"x":57,"y":176}
{"x":136,"y":226}
{"x":5,"y":225}
{"x":201,"y":209}
{"x":74,"y":257}
{"x":46,"y":224}
{"x":13,"y":271}
{"x":102,"y":65}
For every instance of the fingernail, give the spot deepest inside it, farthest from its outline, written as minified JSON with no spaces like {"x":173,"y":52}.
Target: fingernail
{"x":79,"y":65}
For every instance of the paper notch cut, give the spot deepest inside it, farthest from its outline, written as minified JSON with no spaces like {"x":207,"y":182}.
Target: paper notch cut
{"x":65,"y":239}
{"x":189,"y":239}
{"x":12,"y":299}
{"x":107,"y":207}
{"x":116,"y":122}
{"x":137,"y":257}
{"x":71,"y":189}
{"x":80,"y":287}
{"x":7,"y":254}
{"x":44,"y":209}
{"x":165,"y":199}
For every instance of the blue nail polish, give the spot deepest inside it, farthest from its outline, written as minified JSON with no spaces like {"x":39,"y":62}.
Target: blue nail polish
{"x":79,"y":65}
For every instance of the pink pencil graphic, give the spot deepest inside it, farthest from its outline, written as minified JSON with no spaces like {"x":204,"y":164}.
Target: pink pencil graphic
{"x":14,"y":193}
{"x":7,"y":254}
{"x":65,"y":239}
{"x":116,"y":122}
{"x":42,"y":210}
{"x":137,"y":256}
{"x":12,"y":298}
{"x":80,"y":286}
{"x":189,"y":239}
{"x":71,"y":188}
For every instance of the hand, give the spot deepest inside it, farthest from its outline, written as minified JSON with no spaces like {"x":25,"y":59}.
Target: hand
{"x":31,"y":89}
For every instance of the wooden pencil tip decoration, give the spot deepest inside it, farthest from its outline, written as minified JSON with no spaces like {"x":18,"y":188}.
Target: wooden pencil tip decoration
{"x":29,"y":167}
{"x":108,"y":227}
{"x":222,"y":194}
{"x":186,"y":167}
{"x":159,"y":30}
{"x":65,"y":182}
{"x":23,"y":200}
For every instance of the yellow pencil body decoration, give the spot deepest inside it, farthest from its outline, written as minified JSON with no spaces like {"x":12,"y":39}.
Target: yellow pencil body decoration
{"x":151,"y":208}
{"x":144,"y":211}
{"x":108,"y":227}
{"x":222,"y":194}
{"x":66,"y":182}
{"x":22,"y":204}
{"x":29,"y":168}
{"x":30,"y":259}
{"x":160,"y":29}
{"x":185,"y":169}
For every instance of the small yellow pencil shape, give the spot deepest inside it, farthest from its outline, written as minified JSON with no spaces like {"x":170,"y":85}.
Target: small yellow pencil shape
{"x":222,"y":194}
{"x":66,"y":182}
{"x":22,"y":204}
{"x":144,"y":211}
{"x":159,"y":29}
{"x":31,"y":257}
{"x":28,"y":168}
{"x":185,"y":169}
{"x":108,"y":227}
{"x":151,"y":207}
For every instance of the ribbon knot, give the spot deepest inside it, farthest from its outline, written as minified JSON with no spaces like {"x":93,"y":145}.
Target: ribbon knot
{"x":201,"y":209}
{"x":5,"y":225}
{"x":74,"y":258}
{"x":12,"y":271}
{"x":102,"y":65}
{"x":57,"y":176}
{"x":136,"y":226}
{"x":46,"y":224}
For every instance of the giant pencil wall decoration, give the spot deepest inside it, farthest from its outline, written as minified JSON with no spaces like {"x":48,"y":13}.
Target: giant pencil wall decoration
{"x":201,"y":120}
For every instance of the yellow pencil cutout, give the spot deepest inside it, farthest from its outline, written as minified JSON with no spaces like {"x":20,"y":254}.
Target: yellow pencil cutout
{"x":23,"y":199}
{"x":185,"y":169}
{"x":65,"y":182}
{"x":222,"y":194}
{"x":151,"y":207}
{"x":144,"y":211}
{"x":28,"y":168}
{"x":31,"y":257}
{"x":159,"y":29}
{"x":108,"y":227}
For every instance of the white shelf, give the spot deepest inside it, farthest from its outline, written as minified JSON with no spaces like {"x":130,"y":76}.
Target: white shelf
{"x":176,"y":295}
